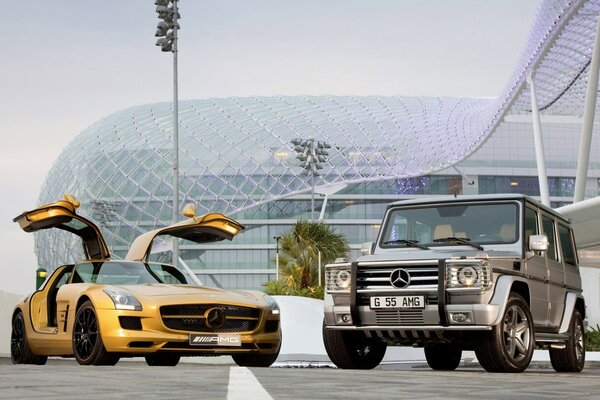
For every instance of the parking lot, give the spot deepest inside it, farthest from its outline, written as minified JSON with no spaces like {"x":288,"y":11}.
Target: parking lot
{"x":65,"y":379}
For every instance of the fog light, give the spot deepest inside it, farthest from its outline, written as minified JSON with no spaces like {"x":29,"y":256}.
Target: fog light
{"x":346,"y":318}
{"x":460,"y":317}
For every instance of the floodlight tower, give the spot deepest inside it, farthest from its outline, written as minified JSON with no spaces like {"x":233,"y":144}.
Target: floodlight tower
{"x":311,"y":154}
{"x":166,"y":31}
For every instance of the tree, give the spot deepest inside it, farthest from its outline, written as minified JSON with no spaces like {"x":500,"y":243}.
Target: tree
{"x":299,"y":257}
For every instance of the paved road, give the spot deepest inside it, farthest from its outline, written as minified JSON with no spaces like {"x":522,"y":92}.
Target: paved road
{"x":65,"y":379}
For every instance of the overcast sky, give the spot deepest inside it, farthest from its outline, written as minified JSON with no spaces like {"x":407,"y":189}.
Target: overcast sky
{"x":68,"y":63}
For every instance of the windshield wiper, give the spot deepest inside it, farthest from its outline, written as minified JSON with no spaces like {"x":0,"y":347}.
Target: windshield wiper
{"x":411,"y":243}
{"x":454,"y":239}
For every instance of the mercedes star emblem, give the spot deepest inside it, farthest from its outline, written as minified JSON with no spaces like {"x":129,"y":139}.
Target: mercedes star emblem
{"x":400,"y":278}
{"x":215,"y":318}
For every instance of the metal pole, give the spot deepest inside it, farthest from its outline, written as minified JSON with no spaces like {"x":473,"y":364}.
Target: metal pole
{"x":277,"y":257}
{"x":320,"y":268}
{"x":175,"y":137}
{"x":322,"y":214}
{"x":539,"y":145}
{"x":312,"y":196}
{"x":589,"y":112}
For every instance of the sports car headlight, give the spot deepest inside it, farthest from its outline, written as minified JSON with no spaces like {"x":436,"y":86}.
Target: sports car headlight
{"x":123,"y":299}
{"x":273,"y":306}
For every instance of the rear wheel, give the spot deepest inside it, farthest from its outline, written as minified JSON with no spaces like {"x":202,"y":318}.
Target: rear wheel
{"x":353,"y":350}
{"x":572,"y":357}
{"x":509,"y":346}
{"x":88,"y":347}
{"x":162,"y":359}
{"x":20,"y":353}
{"x":443,"y":356}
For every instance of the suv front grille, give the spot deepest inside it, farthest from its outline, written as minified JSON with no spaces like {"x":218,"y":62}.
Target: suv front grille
{"x":376,"y":276}
{"x":191,"y":318}
{"x":373,"y":279}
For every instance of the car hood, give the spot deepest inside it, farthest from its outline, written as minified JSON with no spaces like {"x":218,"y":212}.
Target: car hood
{"x":409,"y":254}
{"x":191,"y":293}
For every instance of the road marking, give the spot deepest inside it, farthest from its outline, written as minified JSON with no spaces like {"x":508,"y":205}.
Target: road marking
{"x":244,"y":385}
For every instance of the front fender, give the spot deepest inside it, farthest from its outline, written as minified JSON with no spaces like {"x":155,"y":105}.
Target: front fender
{"x":502,"y":291}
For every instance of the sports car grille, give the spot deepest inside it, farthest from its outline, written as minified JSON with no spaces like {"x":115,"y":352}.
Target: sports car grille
{"x":192,"y":318}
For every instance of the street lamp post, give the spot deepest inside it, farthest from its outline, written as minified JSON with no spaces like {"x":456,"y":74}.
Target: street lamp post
{"x":277,"y":257}
{"x":311,"y":154}
{"x":166,"y":31}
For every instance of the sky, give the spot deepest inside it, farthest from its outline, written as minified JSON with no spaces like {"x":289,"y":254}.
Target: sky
{"x":68,"y":63}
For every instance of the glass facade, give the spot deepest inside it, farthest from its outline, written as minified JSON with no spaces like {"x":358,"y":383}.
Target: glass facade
{"x":236,"y":164}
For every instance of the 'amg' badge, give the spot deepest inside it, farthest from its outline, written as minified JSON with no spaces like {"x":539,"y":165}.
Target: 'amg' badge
{"x":215,"y":340}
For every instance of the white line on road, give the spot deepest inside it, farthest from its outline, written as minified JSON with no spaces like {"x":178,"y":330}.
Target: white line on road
{"x":244,"y":385}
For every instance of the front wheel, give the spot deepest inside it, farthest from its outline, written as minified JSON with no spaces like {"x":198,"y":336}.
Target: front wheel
{"x":20,"y":352}
{"x":509,"y":346}
{"x":572,"y":357}
{"x":88,"y":347}
{"x":443,"y":356}
{"x":353,"y":350}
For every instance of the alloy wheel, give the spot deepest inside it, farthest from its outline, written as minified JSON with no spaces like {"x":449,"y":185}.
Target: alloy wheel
{"x":517,"y":334}
{"x":85,"y":333}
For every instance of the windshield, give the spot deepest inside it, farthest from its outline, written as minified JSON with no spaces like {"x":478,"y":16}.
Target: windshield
{"x":455,"y":224}
{"x":126,"y":273}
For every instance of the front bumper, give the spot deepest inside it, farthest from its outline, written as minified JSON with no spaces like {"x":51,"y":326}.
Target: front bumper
{"x":478,"y":316}
{"x":154,"y":336}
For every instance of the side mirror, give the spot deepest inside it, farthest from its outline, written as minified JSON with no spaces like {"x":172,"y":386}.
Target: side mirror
{"x":367,"y":248}
{"x":538,"y":242}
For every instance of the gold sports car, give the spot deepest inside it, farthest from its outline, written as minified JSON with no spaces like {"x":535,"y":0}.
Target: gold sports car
{"x":99,"y":310}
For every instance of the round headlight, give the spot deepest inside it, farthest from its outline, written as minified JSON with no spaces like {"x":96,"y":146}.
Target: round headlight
{"x":467,"y":276}
{"x":343,"y":279}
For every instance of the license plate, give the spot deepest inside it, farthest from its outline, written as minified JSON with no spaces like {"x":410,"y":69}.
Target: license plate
{"x":224,"y":339}
{"x":398,"y":302}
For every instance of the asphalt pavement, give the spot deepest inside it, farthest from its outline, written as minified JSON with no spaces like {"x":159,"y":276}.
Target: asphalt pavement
{"x":221,"y":379}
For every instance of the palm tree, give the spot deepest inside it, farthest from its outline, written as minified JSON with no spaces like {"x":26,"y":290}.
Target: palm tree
{"x":300,"y":249}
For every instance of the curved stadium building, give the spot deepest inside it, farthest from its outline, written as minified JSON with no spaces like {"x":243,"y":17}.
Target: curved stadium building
{"x":236,"y":157}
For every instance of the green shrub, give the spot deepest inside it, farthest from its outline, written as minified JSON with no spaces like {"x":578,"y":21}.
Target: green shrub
{"x":592,"y":339}
{"x":281,"y":288}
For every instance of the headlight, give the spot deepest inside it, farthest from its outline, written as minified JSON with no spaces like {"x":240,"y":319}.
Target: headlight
{"x":273,"y":306}
{"x":467,"y":276}
{"x":123,"y":299}
{"x":338,"y":278}
{"x":460,"y":274}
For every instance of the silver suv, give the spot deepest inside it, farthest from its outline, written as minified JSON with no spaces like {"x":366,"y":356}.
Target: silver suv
{"x":496,"y":274}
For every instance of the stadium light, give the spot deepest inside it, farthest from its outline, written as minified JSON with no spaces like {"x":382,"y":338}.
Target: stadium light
{"x":166,"y":31}
{"x":311,"y":154}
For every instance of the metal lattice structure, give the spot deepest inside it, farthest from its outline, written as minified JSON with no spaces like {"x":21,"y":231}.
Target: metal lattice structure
{"x":235,"y":153}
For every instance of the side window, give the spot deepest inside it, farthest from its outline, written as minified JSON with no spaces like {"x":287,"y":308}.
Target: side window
{"x":531,"y":226}
{"x":84,"y":273}
{"x":548,"y":226}
{"x":567,"y":245}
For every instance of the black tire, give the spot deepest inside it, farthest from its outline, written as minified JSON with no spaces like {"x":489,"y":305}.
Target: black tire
{"x":572,"y":357}
{"x":443,"y":356}
{"x":256,"y":360}
{"x":162,"y":359}
{"x":509,"y":346}
{"x":88,"y":347}
{"x":353,"y":350}
{"x":20,"y":352}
